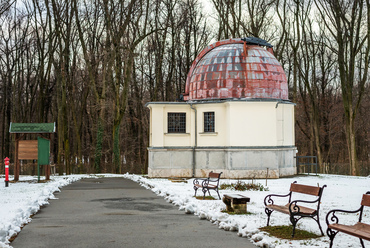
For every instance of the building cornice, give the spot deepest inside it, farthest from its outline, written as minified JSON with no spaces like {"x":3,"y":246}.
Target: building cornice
{"x":212,"y":101}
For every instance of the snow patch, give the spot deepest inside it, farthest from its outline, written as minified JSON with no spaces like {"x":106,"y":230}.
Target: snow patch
{"x":21,"y":200}
{"x":247,"y":226}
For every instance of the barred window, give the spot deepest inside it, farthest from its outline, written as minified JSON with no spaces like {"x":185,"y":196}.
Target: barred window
{"x":209,"y":122}
{"x":176,"y":122}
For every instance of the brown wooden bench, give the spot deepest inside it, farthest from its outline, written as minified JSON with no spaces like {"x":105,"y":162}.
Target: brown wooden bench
{"x":207,"y":184}
{"x":359,"y":230}
{"x":295,"y":211}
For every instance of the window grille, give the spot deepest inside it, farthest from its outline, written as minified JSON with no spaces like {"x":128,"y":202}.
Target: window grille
{"x":209,"y":122}
{"x":176,"y":122}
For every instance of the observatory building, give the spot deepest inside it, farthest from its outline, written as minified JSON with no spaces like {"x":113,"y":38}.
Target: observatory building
{"x":235,"y":117}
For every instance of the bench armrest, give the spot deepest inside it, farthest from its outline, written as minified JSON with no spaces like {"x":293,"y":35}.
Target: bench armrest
{"x":199,"y":180}
{"x":206,"y":182}
{"x":293,"y":207}
{"x":269,"y":201}
{"x":303,"y":201}
{"x":331,"y":218}
{"x":203,"y":182}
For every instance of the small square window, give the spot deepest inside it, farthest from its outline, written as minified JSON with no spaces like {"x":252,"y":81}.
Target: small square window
{"x":176,"y":122}
{"x":209,"y":122}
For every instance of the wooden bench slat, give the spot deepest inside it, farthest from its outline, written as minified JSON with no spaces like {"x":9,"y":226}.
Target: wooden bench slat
{"x":279,"y":208}
{"x":305,"y":189}
{"x":365,"y":200}
{"x":285,"y":209}
{"x":209,"y":186}
{"x":360,"y":230}
{"x":213,"y":175}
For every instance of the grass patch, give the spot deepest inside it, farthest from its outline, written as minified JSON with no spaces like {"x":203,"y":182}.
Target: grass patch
{"x":206,"y":198}
{"x":285,"y":232}
{"x":233,"y":213}
{"x":242,"y":186}
{"x":29,"y":181}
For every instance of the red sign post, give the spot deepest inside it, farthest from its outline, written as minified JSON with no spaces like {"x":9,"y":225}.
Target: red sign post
{"x":6,"y":161}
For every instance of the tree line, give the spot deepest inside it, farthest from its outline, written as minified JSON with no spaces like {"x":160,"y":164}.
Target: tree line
{"x":90,"y":66}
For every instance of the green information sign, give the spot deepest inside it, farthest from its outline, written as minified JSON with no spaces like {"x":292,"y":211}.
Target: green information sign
{"x":43,"y":153}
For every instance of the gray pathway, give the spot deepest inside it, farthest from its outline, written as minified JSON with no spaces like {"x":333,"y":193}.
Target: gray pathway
{"x":116,"y":212}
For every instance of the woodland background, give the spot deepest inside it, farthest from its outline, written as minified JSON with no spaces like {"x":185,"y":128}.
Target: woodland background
{"x":91,"y":65}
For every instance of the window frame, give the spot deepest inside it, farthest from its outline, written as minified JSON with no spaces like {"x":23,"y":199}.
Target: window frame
{"x":176,"y":122}
{"x":209,"y":125}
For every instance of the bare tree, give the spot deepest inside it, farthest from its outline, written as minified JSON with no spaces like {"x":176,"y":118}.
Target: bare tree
{"x":315,"y":74}
{"x":5,"y":5}
{"x":237,"y":18}
{"x":348,"y":25}
{"x":92,"y":65}
{"x":229,"y":18}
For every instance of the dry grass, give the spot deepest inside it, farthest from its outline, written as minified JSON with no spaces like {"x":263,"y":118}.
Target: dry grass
{"x":285,"y":232}
{"x":233,"y":213}
{"x":206,"y":198}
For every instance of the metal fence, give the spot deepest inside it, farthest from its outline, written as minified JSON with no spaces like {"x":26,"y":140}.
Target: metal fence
{"x":306,"y":164}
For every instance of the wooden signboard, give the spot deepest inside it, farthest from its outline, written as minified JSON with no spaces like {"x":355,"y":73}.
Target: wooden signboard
{"x":28,"y":149}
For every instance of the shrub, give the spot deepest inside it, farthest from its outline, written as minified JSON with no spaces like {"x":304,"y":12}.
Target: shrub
{"x":242,"y":186}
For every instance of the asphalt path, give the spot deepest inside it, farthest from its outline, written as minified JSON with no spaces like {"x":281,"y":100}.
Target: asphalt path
{"x":117,"y":212}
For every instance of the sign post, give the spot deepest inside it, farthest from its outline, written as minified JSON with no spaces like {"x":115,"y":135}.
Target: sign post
{"x":6,"y":162}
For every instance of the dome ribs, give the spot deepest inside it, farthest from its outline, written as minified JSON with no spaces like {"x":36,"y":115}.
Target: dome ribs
{"x":226,"y":69}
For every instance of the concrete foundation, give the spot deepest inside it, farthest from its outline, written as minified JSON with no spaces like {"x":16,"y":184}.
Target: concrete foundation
{"x":235,"y":163}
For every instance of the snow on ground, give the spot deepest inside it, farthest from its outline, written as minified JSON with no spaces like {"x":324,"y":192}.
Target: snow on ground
{"x":21,"y":200}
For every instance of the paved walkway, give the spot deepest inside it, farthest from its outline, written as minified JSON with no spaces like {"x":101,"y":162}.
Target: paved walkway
{"x":117,"y":212}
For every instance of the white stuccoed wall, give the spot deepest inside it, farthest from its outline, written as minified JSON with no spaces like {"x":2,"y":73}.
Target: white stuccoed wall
{"x":249,"y":137}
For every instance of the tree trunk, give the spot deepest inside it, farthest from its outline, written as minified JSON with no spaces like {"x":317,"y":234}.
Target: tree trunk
{"x":351,"y":145}
{"x":99,"y":141}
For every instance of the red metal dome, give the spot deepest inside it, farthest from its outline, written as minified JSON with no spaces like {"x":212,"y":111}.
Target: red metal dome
{"x":236,"y":68}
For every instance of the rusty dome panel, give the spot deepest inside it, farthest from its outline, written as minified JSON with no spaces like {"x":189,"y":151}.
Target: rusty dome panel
{"x":224,"y":70}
